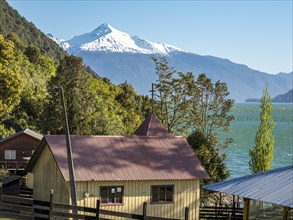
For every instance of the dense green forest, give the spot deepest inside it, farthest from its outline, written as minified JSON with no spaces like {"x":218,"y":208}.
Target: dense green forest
{"x":33,"y":67}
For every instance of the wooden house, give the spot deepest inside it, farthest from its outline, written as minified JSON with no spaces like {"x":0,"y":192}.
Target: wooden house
{"x":122,"y":171}
{"x":16,"y":150}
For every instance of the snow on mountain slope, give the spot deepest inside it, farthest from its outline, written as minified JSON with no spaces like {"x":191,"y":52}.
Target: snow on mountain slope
{"x":121,"y":57}
{"x":105,"y":38}
{"x":57,"y":40}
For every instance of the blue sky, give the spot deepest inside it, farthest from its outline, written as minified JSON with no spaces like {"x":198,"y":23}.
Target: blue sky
{"x":255,"y":33}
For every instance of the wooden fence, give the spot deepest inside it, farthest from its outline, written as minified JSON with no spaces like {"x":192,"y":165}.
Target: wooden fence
{"x":214,"y":212}
{"x":25,"y":192}
{"x":28,"y":209}
{"x":13,"y":165}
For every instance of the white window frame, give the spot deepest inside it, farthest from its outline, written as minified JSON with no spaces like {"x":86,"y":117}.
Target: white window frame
{"x":10,"y":154}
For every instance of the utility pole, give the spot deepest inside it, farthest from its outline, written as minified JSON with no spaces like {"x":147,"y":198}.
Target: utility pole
{"x":152,"y":91}
{"x":69,"y":154}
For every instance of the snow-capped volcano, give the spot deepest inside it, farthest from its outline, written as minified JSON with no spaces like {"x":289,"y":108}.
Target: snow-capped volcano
{"x":122,"y":57}
{"x":105,"y":38}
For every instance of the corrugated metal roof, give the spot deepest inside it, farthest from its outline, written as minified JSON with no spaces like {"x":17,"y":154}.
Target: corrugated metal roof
{"x":151,"y":126}
{"x":274,"y":186}
{"x":113,"y":158}
{"x":26,"y":131}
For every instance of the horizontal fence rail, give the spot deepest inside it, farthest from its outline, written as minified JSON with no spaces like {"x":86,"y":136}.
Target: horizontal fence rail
{"x":27,"y":208}
{"x":214,"y":212}
{"x":13,"y":165}
{"x":25,"y":192}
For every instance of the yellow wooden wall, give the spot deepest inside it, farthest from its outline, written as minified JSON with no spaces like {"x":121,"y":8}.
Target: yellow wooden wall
{"x":46,"y":176}
{"x":186,"y":194}
{"x":30,"y":180}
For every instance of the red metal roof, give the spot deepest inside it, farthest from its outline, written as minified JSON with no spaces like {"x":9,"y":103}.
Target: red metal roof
{"x":111,"y":158}
{"x":151,"y":126}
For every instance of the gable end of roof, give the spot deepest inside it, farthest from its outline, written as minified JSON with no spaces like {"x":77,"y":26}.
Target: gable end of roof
{"x":27,"y":132}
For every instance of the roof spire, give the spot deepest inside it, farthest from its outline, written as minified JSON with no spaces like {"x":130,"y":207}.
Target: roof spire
{"x":151,"y":126}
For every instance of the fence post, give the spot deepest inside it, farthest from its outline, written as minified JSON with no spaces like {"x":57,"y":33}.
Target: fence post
{"x":97,"y":209}
{"x":246,"y":209}
{"x":234,"y":206}
{"x":144,"y":211}
{"x":186,"y":213}
{"x":285,"y":213}
{"x":216,"y":211}
{"x":51,"y":204}
{"x":0,"y":196}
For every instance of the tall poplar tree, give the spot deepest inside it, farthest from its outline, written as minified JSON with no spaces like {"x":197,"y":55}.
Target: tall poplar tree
{"x":261,"y":155}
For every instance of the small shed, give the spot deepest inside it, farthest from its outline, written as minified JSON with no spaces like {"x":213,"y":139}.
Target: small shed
{"x":123,"y":172}
{"x":10,"y":185}
{"x":267,"y":195}
{"x":16,"y":149}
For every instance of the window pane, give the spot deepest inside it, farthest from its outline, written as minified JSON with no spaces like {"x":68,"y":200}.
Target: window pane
{"x":13,"y":154}
{"x":169,"y":193}
{"x":104,"y":194}
{"x":112,"y":195}
{"x":7,"y":154}
{"x":162,"y":194}
{"x":10,"y":154}
{"x":119,"y":197}
{"x":155,"y":194}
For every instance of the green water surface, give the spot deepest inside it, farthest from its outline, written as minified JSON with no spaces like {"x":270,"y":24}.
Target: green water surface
{"x":243,"y":131}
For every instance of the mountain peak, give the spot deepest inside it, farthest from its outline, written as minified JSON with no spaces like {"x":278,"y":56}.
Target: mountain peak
{"x":108,"y":39}
{"x":103,"y":30}
{"x":105,"y":26}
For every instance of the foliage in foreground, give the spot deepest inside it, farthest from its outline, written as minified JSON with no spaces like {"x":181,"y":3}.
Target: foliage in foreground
{"x":212,"y":160}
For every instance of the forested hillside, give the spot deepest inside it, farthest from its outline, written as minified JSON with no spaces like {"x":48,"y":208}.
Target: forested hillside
{"x":33,"y":68}
{"x":11,"y":24}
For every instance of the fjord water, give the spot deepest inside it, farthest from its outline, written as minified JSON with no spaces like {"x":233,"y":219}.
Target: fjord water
{"x":243,"y":131}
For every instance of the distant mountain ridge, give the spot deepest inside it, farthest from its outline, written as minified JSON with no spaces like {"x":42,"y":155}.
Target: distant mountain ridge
{"x":121,"y":57}
{"x":285,"y":98}
{"x":282,"y":98}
